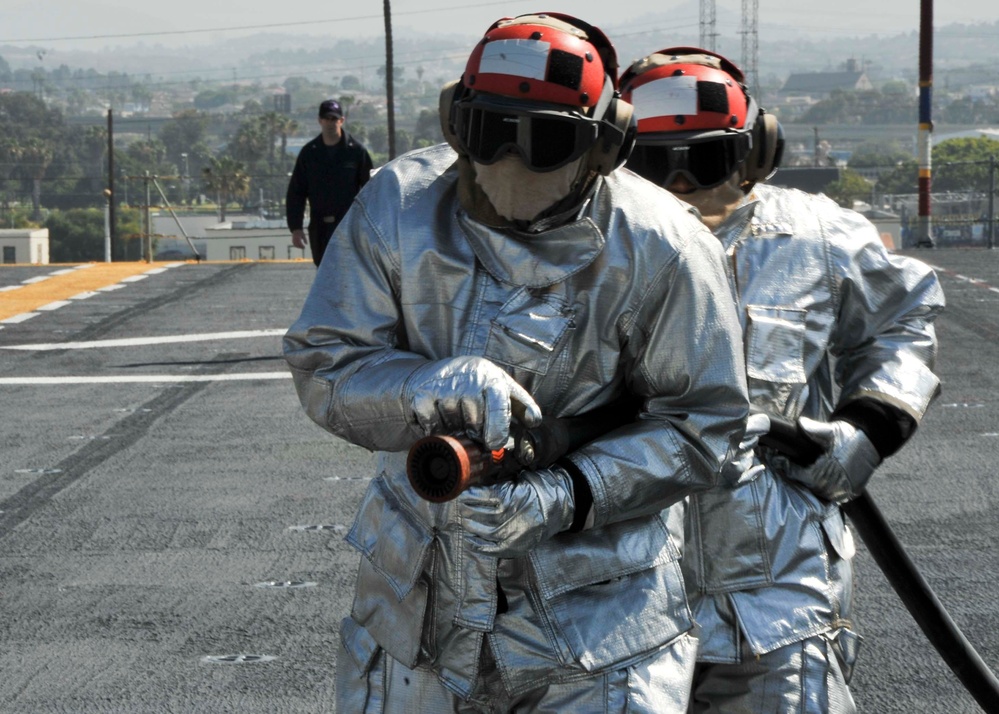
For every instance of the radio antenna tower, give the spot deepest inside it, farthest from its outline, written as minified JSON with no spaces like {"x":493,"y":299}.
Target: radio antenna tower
{"x":708,"y":32}
{"x":751,"y":44}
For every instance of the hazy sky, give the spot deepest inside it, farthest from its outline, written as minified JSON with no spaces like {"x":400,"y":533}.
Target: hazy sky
{"x":93,"y":24}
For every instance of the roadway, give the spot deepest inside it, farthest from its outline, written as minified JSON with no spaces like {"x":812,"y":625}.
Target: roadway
{"x":171,"y":523}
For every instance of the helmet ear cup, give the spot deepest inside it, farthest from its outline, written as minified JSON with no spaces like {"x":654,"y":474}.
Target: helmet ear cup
{"x":444,"y":104}
{"x":617,"y":137}
{"x":768,"y":148}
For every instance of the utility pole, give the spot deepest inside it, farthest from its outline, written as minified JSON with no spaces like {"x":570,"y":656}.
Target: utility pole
{"x":110,"y":190}
{"x":924,"y":232}
{"x":992,"y":204}
{"x":147,"y":245}
{"x":389,"y":79}
{"x":185,"y":180}
{"x":107,"y":225}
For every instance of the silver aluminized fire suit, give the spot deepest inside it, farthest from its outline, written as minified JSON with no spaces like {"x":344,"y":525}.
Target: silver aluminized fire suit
{"x":829,"y":317}
{"x":629,"y":294}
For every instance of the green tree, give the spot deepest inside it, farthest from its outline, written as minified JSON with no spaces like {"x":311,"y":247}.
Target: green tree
{"x":347,"y":101}
{"x":378,"y":138}
{"x":428,"y":127}
{"x":10,"y":156}
{"x":271,"y":124}
{"x":252,"y":107}
{"x":876,"y":153}
{"x":966,"y":110}
{"x":95,"y":146}
{"x":867,"y":107}
{"x":963,"y":164}
{"x":149,"y":154}
{"x":403,"y":141}
{"x":250,"y":144}
{"x":183,"y":132}
{"x":277,"y":127}
{"x":77,"y":235}
{"x":850,"y":187}
{"x":226,"y":177}
{"x":23,"y":114}
{"x":215,"y":98}
{"x":904,"y":178}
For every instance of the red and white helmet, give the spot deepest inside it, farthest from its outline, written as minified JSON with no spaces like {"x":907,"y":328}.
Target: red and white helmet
{"x":689,"y":91}
{"x":697,"y":119}
{"x":543,"y":86}
{"x":542,"y":58}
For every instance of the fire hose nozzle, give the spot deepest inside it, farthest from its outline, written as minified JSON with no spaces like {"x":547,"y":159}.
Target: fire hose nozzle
{"x":441,"y":467}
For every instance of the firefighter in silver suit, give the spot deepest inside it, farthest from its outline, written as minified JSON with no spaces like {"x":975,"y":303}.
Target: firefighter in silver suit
{"x":516,"y":273}
{"x":838,"y":337}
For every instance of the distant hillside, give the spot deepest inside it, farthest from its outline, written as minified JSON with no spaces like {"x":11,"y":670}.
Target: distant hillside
{"x":265,"y":56}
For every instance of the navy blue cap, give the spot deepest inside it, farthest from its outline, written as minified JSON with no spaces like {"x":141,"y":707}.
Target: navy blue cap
{"x":331,"y":109}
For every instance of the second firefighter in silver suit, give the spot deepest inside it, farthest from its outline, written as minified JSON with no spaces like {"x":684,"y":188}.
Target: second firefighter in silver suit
{"x":838,"y":337}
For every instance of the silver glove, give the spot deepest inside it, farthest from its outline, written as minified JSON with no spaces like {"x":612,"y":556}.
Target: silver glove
{"x":512,"y":518}
{"x":848,"y":463}
{"x":468,"y":395}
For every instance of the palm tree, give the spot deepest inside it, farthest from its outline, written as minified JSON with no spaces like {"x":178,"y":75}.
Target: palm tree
{"x":10,"y":156}
{"x":287,"y":128}
{"x":249,"y":143}
{"x":271,"y":124}
{"x":277,"y":125}
{"x":227,"y":177}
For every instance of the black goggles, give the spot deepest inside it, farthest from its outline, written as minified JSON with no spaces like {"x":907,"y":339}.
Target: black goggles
{"x":706,"y":163}
{"x":546,"y":139}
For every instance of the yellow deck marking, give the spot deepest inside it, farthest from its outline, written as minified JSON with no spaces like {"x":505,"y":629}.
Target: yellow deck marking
{"x":60,"y":287}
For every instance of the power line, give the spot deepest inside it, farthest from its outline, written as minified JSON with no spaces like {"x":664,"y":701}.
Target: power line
{"x":269,"y":26}
{"x":280,"y":70}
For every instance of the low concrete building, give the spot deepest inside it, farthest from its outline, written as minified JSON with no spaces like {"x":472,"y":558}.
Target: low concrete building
{"x":242,"y":238}
{"x":24,"y":245}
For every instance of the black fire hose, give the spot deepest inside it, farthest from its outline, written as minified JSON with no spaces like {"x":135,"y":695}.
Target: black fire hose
{"x":441,"y":467}
{"x":915,"y":593}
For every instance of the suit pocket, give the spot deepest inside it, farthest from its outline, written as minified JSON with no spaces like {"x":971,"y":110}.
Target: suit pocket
{"x":729,"y":529}
{"x":392,"y":540}
{"x":613,"y":592}
{"x":775,"y":344}
{"x":528,"y":333}
{"x":775,"y":354}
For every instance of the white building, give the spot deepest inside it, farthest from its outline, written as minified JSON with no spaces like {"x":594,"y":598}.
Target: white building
{"x":24,"y":245}
{"x":242,"y":238}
